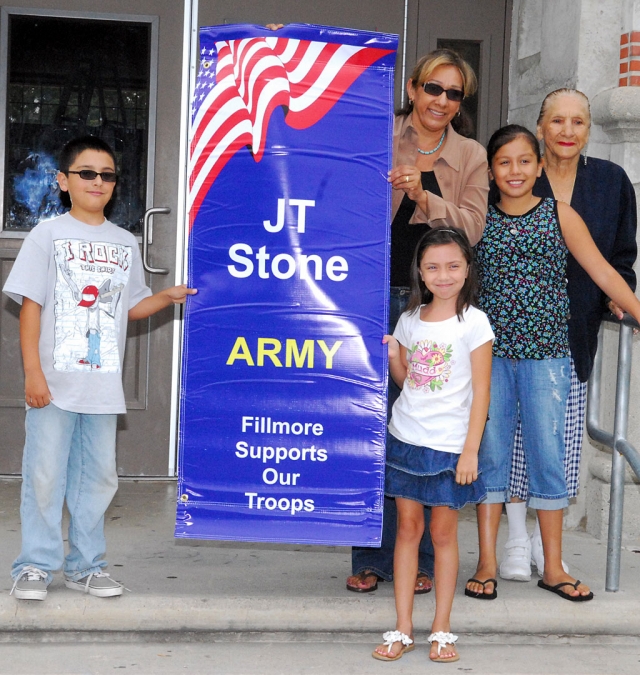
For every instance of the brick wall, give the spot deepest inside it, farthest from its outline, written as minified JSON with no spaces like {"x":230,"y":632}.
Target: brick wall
{"x":630,"y":59}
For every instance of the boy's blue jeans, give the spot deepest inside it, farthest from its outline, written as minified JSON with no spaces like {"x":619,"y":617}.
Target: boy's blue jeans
{"x":66,"y":456}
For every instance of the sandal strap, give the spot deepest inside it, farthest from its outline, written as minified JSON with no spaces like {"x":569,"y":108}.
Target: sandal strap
{"x":443,"y":639}
{"x":567,"y":583}
{"x":482,"y":583}
{"x":392,"y":636}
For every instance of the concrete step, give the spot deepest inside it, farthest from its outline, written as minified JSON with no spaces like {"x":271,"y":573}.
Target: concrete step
{"x":196,"y":586}
{"x":315,"y":654}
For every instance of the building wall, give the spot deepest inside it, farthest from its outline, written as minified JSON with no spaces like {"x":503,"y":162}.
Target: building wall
{"x":594,"y":46}
{"x":544,"y":54}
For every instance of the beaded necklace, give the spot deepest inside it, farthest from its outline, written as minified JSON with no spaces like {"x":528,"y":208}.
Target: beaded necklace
{"x":430,"y":152}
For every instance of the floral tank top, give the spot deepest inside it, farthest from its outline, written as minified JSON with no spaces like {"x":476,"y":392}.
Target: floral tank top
{"x":523,"y":288}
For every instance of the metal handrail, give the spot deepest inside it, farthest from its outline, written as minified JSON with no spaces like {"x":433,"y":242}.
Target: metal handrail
{"x":617,"y":441}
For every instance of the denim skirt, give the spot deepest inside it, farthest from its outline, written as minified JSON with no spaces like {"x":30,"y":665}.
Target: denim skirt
{"x":427,"y":476}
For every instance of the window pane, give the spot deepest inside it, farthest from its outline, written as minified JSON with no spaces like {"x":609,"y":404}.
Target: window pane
{"x":67,"y":78}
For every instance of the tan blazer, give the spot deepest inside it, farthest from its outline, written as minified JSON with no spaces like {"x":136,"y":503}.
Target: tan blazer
{"x":462,"y":174}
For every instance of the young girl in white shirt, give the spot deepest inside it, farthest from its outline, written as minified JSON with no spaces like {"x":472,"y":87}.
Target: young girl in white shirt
{"x":440,"y":355}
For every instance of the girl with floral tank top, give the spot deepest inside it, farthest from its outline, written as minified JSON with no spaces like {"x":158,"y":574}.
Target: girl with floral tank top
{"x":522,"y":259}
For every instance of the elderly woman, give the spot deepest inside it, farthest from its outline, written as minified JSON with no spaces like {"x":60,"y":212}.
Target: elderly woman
{"x":439,"y":179}
{"x":602,"y":194}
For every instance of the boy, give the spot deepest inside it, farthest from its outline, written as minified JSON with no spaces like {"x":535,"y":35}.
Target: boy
{"x":79,"y":278}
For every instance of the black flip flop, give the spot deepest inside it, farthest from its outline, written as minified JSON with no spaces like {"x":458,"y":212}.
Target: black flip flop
{"x":483,"y":595}
{"x":353,"y":589}
{"x":556,"y":589}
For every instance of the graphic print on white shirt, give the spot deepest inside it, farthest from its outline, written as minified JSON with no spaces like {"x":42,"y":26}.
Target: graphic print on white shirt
{"x":435,"y":403}
{"x":90,"y":277}
{"x":429,"y":364}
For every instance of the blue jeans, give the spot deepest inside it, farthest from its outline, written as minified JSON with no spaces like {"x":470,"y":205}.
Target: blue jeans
{"x":380,"y":560}
{"x":537,"y":390}
{"x":66,"y":456}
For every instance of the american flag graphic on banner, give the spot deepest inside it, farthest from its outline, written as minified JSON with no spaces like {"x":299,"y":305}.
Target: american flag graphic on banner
{"x":241,"y":82}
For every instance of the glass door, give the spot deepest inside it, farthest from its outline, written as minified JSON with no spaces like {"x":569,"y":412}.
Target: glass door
{"x":68,"y":71}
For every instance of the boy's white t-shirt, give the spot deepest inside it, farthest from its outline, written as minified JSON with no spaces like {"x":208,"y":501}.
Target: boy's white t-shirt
{"x":435,"y":403}
{"x":86,"y":278}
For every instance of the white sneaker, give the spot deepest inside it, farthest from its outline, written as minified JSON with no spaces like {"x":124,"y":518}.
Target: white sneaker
{"x":516,"y":563}
{"x":99,"y":584}
{"x":537,"y":555}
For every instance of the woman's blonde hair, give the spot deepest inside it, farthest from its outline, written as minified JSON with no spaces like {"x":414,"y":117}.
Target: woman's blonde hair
{"x":549,"y":98}
{"x":444,"y":57}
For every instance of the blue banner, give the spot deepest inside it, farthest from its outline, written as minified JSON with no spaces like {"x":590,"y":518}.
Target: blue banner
{"x":284,"y":376}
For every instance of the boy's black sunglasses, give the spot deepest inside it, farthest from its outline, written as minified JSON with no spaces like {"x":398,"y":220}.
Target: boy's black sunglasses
{"x":88,"y":174}
{"x":434,"y":89}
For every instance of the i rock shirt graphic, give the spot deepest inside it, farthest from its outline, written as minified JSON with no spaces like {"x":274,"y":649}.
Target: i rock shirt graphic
{"x":90,"y":277}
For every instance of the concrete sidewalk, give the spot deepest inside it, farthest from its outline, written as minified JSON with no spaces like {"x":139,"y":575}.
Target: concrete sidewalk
{"x":179,"y":585}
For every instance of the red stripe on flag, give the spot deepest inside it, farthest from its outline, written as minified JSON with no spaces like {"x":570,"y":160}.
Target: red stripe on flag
{"x":281,"y":46}
{"x":345,"y":77}
{"x":224,"y":97}
{"x":282,"y":98}
{"x":318,"y":66}
{"x":228,"y":125}
{"x":298,"y":55}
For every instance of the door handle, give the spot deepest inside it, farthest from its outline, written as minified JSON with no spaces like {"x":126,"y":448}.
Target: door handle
{"x":147,"y":238}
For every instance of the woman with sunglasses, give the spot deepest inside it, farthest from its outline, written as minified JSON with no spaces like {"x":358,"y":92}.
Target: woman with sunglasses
{"x":439,"y":179}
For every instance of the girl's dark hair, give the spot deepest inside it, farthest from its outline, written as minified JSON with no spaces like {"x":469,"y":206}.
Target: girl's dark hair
{"x":68,"y":156}
{"x":509,"y":133}
{"x":420,"y":294}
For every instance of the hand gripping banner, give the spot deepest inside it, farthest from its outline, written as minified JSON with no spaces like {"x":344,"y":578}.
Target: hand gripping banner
{"x":284,"y":376}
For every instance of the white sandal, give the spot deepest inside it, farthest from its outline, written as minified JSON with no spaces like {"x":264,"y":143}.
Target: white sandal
{"x":390,"y":638}
{"x":443,"y":639}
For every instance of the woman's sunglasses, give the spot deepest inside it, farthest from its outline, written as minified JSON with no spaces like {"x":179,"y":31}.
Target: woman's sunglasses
{"x":107,"y":176}
{"x":434,"y":89}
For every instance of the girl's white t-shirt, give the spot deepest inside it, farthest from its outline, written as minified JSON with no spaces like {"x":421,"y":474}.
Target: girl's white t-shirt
{"x":435,"y":403}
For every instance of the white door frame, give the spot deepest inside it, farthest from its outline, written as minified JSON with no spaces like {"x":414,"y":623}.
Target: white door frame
{"x":190,"y":46}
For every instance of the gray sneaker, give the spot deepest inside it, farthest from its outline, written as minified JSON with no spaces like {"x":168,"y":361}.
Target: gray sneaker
{"x":31,"y":584}
{"x":99,"y":584}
